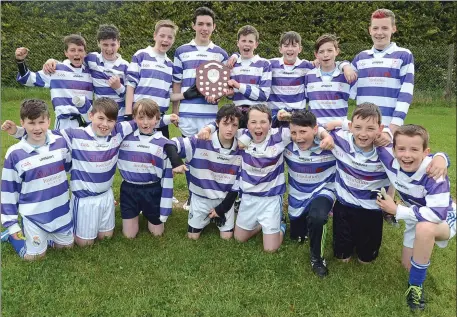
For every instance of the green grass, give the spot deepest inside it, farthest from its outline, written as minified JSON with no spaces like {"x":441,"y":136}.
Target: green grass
{"x":172,"y":276}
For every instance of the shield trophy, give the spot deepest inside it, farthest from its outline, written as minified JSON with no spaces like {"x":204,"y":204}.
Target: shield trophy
{"x":212,"y":78}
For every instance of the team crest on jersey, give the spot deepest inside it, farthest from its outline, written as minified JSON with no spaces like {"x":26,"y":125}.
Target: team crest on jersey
{"x":36,"y":241}
{"x":395,"y":63}
{"x":340,"y":87}
{"x":159,"y":151}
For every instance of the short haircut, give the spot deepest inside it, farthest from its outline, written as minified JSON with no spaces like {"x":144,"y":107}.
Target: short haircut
{"x":326,"y":38}
{"x":367,"y":110}
{"x":246,"y":30}
{"x":304,"y":118}
{"x":290,"y":37}
{"x":146,"y":107}
{"x":107,"y":106}
{"x":262,"y":108}
{"x":383,"y":13}
{"x":165,"y":24}
{"x":108,"y":32}
{"x":204,"y":11}
{"x":74,"y":39}
{"x":228,"y":112}
{"x":33,"y":109}
{"x":412,"y":130}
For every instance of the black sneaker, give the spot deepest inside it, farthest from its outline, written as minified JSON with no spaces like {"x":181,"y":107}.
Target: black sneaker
{"x":319,"y":267}
{"x":415,"y":297}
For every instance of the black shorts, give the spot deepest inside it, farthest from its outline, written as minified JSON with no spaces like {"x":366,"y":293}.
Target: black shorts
{"x":357,"y":228}
{"x":145,"y":198}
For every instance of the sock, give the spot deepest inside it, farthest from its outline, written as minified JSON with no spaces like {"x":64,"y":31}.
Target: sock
{"x":417,"y":273}
{"x":18,"y":245}
{"x":282,"y":228}
{"x":188,"y":183}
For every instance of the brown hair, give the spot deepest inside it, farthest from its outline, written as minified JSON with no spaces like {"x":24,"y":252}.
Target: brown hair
{"x":146,"y":107}
{"x":74,"y":39}
{"x":412,"y":130}
{"x":204,"y":11}
{"x":325,"y":38}
{"x":106,"y":106}
{"x":108,"y":32}
{"x":246,"y":30}
{"x":262,"y":108}
{"x":165,"y":24}
{"x":367,"y":110}
{"x":290,"y":37}
{"x":33,"y":109}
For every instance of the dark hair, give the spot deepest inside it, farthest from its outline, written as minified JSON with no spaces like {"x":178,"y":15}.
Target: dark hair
{"x":325,"y":38}
{"x":204,"y":11}
{"x":107,"y":106}
{"x":108,"y":32}
{"x":290,"y":37}
{"x":74,"y":39}
{"x":262,"y":108}
{"x":149,"y":108}
{"x":367,"y":110}
{"x":246,"y":30}
{"x":33,"y":109}
{"x":412,"y":130}
{"x":228,"y":112}
{"x":304,"y":118}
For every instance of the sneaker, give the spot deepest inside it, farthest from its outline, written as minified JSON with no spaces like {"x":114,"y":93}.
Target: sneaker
{"x":175,"y":200}
{"x":5,"y":235}
{"x":415,"y":297}
{"x":186,"y":205}
{"x":319,"y":267}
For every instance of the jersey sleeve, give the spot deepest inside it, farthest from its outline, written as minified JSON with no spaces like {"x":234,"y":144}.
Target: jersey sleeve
{"x":133,"y":72}
{"x":35,"y":79}
{"x":259,"y":92}
{"x":166,"y":200}
{"x":186,"y":147}
{"x":405,"y":95}
{"x":11,"y":187}
{"x":177,"y":68}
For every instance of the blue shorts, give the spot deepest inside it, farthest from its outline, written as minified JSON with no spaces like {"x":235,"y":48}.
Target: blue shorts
{"x":145,"y":198}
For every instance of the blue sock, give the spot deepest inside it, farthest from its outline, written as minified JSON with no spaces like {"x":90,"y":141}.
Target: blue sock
{"x":18,"y":245}
{"x":417,"y":273}
{"x":188,"y":181}
{"x":282,"y":228}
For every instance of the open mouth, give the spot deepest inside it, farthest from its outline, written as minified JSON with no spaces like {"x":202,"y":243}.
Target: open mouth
{"x":407,"y":163}
{"x":246,"y":50}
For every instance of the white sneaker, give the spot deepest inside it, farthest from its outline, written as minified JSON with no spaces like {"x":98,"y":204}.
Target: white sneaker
{"x":175,"y":200}
{"x":186,"y":205}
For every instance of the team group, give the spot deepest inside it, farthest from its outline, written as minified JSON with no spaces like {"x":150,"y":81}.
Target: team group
{"x":234,"y":155}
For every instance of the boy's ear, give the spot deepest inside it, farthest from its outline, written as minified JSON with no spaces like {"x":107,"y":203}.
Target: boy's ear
{"x":315,"y":129}
{"x":337,"y":52}
{"x":22,"y":123}
{"x":315,"y":54}
{"x":394,"y":29}
{"x":381,"y":127}
{"x":350,"y":125}
{"x":91,"y":116}
{"x":426,"y":152}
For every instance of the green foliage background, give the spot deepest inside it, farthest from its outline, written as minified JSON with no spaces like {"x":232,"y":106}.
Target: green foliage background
{"x":426,"y":28}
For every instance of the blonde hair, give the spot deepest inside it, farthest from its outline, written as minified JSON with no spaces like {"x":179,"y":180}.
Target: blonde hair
{"x":165,"y":24}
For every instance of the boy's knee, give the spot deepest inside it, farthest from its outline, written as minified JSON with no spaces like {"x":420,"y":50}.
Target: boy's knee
{"x":316,"y":218}
{"x":84,"y":242}
{"x":193,"y":236}
{"x":226,"y":235}
{"x":425,"y":229}
{"x":29,"y":257}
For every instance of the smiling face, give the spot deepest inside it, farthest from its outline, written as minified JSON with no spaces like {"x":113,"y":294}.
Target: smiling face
{"x":203,"y":27}
{"x":258,"y":125}
{"x":164,"y":39}
{"x":290,"y":51}
{"x":365,"y":131}
{"x":381,"y":31}
{"x":303,"y":136}
{"x":326,"y":55}
{"x":101,"y":124}
{"x":75,"y":53}
{"x":109,"y":48}
{"x":247,"y":44}
{"x":410,"y":152}
{"x":36,"y":129}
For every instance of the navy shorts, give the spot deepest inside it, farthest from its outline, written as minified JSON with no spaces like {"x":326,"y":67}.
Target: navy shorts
{"x":145,"y":198}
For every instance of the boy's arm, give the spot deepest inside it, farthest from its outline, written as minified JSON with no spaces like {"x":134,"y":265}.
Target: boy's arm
{"x":185,"y":147}
{"x":166,"y":200}
{"x":177,"y":79}
{"x":405,"y":95}
{"x":259,"y":92}
{"x":129,"y":102}
{"x":27,"y":77}
{"x":172,"y":153}
{"x":11,"y":187}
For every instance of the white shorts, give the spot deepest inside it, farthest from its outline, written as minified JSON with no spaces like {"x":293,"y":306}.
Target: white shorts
{"x":199,"y":211}
{"x":93,"y":214}
{"x":255,"y":210}
{"x":36,"y":239}
{"x":190,"y":126}
{"x":65,"y":123}
{"x":410,"y":232}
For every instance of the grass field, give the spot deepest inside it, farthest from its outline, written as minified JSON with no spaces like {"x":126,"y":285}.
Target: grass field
{"x":172,"y":276}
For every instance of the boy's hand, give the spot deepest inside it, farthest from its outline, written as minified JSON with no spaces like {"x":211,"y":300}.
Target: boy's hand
{"x":383,"y":139}
{"x":233,"y":83}
{"x":180,"y":169}
{"x":349,"y":74}
{"x":49,"y":67}
{"x":114,"y":82}
{"x":192,"y":92}
{"x":204,"y":133}
{"x":315,"y":63}
{"x":437,"y":167}
{"x":327,"y":143}
{"x":228,"y":91}
{"x":21,"y":53}
{"x":393,"y":128}
{"x":218,"y":220}
{"x":10,"y":127}
{"x":231,"y":61}
{"x":387,"y":204}
{"x":174,"y":118}
{"x":241,"y":145}
{"x":211,"y":99}
{"x":283,"y":115}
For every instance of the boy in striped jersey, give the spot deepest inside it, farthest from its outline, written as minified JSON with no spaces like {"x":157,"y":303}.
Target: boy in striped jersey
{"x":35,"y":185}
{"x":146,"y":172}
{"x":385,"y":72}
{"x":429,"y":214}
{"x":251,"y":74}
{"x":214,"y":169}
{"x":108,"y":69}
{"x":71,"y":81}
{"x":94,"y":151}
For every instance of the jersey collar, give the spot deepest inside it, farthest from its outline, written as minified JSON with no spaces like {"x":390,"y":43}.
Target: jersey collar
{"x":210,"y":45}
